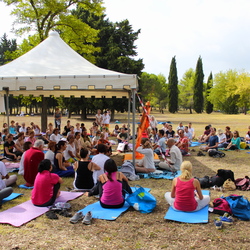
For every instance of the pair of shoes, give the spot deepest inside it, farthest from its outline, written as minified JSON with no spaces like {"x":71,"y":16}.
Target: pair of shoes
{"x":51,"y":215}
{"x":227,"y":219}
{"x":87,"y":219}
{"x":65,"y":213}
{"x":200,"y":154}
{"x":218,"y":223}
{"x":79,"y":216}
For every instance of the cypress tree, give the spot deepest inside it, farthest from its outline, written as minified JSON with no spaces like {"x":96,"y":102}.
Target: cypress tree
{"x":198,"y":87}
{"x":173,"y":87}
{"x":209,"y":106}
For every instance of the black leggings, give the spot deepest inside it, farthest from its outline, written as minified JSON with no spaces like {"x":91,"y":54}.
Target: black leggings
{"x":53,"y":198}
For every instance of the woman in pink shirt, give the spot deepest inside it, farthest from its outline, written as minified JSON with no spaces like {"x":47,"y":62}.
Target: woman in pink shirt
{"x":111,"y":186}
{"x":31,"y":137}
{"x":46,"y":186}
{"x":186,"y":191}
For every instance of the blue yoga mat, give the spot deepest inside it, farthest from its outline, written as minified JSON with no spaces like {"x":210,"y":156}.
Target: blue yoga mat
{"x":200,"y":216}
{"x":11,"y":197}
{"x":25,"y":187}
{"x":98,"y":212}
{"x":195,"y":144}
{"x":165,"y":175}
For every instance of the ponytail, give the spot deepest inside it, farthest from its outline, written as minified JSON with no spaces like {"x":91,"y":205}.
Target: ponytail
{"x":110,"y":167}
{"x":186,"y":170}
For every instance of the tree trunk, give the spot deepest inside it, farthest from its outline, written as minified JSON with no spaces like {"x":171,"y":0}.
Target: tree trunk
{"x":190,"y":110}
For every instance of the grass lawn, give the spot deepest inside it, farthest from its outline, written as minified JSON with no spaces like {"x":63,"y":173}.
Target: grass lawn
{"x":134,"y":230}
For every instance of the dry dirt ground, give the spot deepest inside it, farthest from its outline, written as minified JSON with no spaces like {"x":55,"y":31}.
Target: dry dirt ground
{"x":133,"y":230}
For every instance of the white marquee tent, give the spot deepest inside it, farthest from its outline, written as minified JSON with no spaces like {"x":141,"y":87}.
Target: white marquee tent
{"x":54,"y":66}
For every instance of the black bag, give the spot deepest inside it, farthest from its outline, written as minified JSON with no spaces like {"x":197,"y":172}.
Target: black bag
{"x":204,"y":182}
{"x":215,"y":153}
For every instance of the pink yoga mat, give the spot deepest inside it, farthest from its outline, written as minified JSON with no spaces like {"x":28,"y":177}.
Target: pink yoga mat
{"x":25,"y":212}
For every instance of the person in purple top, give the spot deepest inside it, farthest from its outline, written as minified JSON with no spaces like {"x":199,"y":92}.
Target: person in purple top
{"x":111,"y":186}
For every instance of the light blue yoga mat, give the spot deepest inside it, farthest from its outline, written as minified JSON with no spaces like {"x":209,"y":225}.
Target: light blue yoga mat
{"x":195,"y":144}
{"x":98,"y":212}
{"x":25,"y":187}
{"x":200,"y":216}
{"x":11,"y":197}
{"x":165,"y":175}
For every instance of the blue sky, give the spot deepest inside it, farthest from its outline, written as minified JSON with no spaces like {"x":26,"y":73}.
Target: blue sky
{"x":216,"y":30}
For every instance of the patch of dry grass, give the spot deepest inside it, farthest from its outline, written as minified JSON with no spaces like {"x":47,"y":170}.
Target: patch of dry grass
{"x":134,"y":230}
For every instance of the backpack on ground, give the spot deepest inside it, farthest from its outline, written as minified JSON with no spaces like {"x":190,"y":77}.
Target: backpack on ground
{"x":128,"y":170}
{"x":240,"y":206}
{"x":221,"y":206}
{"x":243,"y":183}
{"x":229,"y":185}
{"x":204,"y":182}
{"x":215,"y":153}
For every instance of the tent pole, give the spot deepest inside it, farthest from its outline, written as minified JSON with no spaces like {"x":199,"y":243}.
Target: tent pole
{"x":7,"y":105}
{"x":44,"y":118}
{"x":129,"y":99}
{"x":133,"y":124}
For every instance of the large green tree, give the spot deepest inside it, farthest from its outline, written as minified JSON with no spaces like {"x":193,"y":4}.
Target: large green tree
{"x":208,"y":105}
{"x":154,"y":89}
{"x":186,"y":88}
{"x":222,"y":95}
{"x":173,"y":87}
{"x":6,"y":45}
{"x":43,"y":16}
{"x":116,"y":42}
{"x":198,"y":87}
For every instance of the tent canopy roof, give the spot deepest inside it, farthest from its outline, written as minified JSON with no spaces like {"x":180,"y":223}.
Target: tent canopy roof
{"x":55,"y":66}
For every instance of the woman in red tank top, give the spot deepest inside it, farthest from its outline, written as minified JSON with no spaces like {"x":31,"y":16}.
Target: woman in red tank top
{"x":186,"y":191}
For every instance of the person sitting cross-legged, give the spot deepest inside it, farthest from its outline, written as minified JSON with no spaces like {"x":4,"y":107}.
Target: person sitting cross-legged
{"x":182,"y":143}
{"x":46,"y":186}
{"x":146,"y":165}
{"x":175,"y":161}
{"x":186,"y":192}
{"x":111,"y":186}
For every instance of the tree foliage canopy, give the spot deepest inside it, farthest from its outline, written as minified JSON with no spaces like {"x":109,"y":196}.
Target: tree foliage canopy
{"x":208,"y":104}
{"x":173,"y":87}
{"x":6,"y":45}
{"x":43,"y":16}
{"x":186,"y":89}
{"x":198,"y":87}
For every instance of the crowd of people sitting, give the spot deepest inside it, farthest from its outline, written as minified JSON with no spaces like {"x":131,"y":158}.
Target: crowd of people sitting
{"x":47,"y":157}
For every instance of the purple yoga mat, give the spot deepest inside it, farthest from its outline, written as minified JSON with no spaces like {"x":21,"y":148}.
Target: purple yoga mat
{"x":25,"y":212}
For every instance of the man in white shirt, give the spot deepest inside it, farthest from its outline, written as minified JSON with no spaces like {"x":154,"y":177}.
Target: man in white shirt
{"x":188,"y":134}
{"x":105,"y":119}
{"x":23,"y":129}
{"x":191,"y":130}
{"x":175,"y":157}
{"x":180,"y":126}
{"x":100,"y":160}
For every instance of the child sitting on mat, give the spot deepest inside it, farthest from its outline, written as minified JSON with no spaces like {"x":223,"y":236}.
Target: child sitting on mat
{"x":186,"y":191}
{"x":84,"y":171}
{"x":111,"y":186}
{"x":46,"y":186}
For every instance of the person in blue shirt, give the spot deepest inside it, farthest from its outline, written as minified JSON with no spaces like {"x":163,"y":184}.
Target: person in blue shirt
{"x":213,"y":140}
